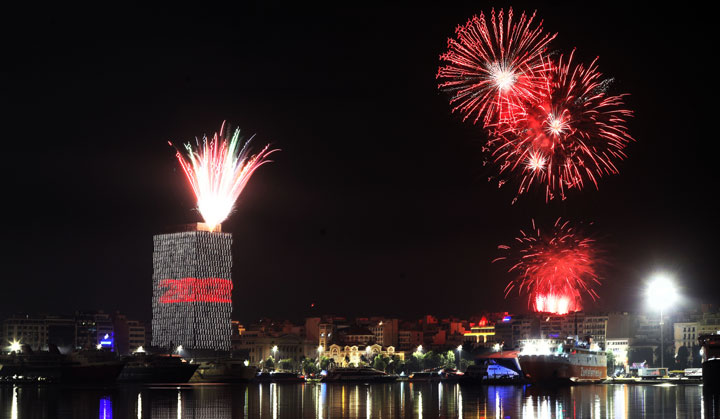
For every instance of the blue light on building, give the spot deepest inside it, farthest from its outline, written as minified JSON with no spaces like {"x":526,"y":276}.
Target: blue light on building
{"x":108,"y":341}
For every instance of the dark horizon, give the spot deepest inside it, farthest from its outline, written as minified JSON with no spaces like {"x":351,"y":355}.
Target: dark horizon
{"x":378,"y":201}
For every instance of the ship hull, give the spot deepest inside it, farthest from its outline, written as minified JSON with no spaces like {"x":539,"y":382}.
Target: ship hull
{"x":158,"y":374}
{"x":106,"y":372}
{"x":59,"y":369}
{"x":360,"y":379}
{"x":552,"y":368}
{"x":711,"y":373}
{"x":224,"y":373}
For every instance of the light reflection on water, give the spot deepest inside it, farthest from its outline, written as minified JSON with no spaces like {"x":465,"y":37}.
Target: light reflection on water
{"x":320,"y":401}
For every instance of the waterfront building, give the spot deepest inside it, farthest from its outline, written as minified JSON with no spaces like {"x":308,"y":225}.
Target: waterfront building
{"x":353,"y":355}
{"x":83,"y":330}
{"x":685,"y":334}
{"x":524,"y":327}
{"x":259,"y":347}
{"x":410,"y":339}
{"x":619,"y":348}
{"x":61,"y":331}
{"x":26,"y":329}
{"x":192,"y":289}
{"x":385,"y":331}
{"x":326,"y":331}
{"x":482,"y":332}
{"x":595,"y":326}
{"x":312,"y":328}
{"x":356,"y":335}
{"x":136,"y":335}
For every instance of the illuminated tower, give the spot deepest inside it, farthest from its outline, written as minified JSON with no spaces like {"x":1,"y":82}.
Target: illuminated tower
{"x":192,"y":289}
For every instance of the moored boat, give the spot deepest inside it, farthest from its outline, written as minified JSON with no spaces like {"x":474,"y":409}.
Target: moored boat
{"x":224,"y":371}
{"x":156,"y":368}
{"x":710,"y":360}
{"x":279,"y":377}
{"x":436,"y":375}
{"x":84,"y":367}
{"x":548,"y":360}
{"x":431,"y":376}
{"x":358,"y":375}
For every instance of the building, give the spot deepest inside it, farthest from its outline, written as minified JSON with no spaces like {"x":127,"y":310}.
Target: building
{"x":356,"y":335}
{"x":312,"y":329}
{"x":136,"y":335}
{"x":84,"y":330}
{"x":595,"y":326}
{"x":619,"y":349}
{"x":27,"y":330}
{"x":504,"y":332}
{"x":410,"y":339}
{"x":385,"y":331}
{"x":61,"y":332}
{"x":326,"y":331}
{"x":259,"y":347}
{"x":685,"y":334}
{"x":192,"y":289}
{"x":352,"y":355}
{"x":523,"y":328}
{"x":482,"y":332}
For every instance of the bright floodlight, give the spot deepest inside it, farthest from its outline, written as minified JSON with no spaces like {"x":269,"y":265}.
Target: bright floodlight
{"x":15,"y":346}
{"x":661,"y":292}
{"x":459,"y":348}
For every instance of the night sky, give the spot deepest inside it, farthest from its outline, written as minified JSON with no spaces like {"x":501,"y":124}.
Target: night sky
{"x":378,"y":203}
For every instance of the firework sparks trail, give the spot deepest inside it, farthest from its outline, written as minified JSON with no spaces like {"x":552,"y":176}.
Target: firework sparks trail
{"x":218,"y":170}
{"x":554,"y":269}
{"x":573,"y":135}
{"x":492,"y":70}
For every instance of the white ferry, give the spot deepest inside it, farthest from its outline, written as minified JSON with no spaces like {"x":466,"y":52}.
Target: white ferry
{"x":561,"y":360}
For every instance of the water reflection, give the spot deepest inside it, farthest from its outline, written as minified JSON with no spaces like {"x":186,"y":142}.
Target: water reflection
{"x":14,"y":408}
{"x":322,"y":401}
{"x":106,"y":408}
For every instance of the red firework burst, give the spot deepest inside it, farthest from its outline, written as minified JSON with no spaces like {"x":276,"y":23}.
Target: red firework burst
{"x":572,"y":135}
{"x":554,"y":269}
{"x":493,"y":70}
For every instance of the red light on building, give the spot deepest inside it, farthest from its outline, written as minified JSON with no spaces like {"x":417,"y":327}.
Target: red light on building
{"x":196,"y":290}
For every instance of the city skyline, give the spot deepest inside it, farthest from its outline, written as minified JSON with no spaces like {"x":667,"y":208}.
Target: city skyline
{"x":379,"y":201}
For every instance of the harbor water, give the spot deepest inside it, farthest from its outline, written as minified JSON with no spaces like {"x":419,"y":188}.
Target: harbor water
{"x":316,"y":400}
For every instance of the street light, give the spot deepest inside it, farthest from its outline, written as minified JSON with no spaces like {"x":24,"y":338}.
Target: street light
{"x":274,"y":351}
{"x":661,"y":295}
{"x":15,"y":346}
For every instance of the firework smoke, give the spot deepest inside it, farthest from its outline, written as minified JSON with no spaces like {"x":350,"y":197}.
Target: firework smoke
{"x":218,"y":170}
{"x":554,"y":269}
